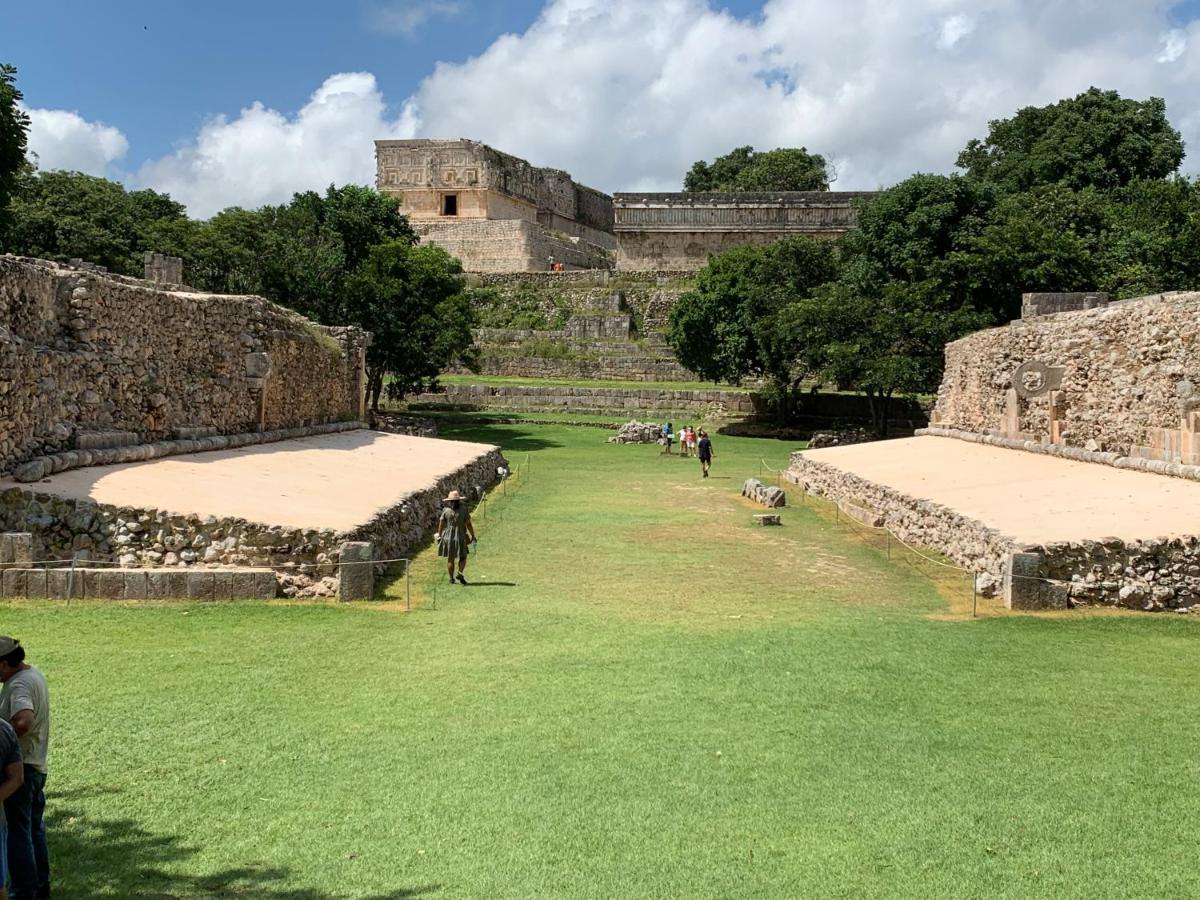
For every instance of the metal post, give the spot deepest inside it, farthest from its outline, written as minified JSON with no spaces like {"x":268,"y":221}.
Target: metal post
{"x":71,"y":580}
{"x":974,"y":594}
{"x":407,"y":585}
{"x":889,"y":543}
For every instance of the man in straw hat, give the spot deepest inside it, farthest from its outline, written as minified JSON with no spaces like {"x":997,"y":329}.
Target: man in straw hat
{"x":25,"y":704}
{"x":454,"y":527}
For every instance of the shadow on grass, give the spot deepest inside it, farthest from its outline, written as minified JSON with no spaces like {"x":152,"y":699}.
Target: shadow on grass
{"x":120,"y":858}
{"x":510,"y":440}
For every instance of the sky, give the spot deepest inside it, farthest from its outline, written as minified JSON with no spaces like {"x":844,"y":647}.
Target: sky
{"x":226,"y":103}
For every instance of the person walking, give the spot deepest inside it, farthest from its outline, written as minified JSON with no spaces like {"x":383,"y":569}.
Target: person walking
{"x":704,"y":450}
{"x":25,"y":704}
{"x":12,"y":770}
{"x":667,"y":436}
{"x":454,"y":527}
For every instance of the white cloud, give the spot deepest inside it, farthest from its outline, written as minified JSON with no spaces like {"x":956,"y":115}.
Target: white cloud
{"x":954,"y":29}
{"x":61,"y":139}
{"x":405,"y":17}
{"x":1174,"y":43}
{"x":263,"y":156}
{"x":626,"y":94}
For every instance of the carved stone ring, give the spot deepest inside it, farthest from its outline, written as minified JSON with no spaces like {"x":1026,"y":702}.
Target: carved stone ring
{"x":1033,"y":379}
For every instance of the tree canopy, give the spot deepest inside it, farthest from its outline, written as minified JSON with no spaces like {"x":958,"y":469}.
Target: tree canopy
{"x":1097,"y":139}
{"x":744,"y":169}
{"x":14,"y":129}
{"x":725,"y":329}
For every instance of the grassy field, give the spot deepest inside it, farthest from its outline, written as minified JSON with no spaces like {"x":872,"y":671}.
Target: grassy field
{"x":640,"y":696}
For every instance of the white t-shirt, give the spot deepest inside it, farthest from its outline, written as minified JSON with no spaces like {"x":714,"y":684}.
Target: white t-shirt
{"x":27,"y":690}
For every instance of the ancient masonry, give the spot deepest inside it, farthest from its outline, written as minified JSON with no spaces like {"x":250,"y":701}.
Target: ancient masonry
{"x":98,"y":369}
{"x":678,"y":231}
{"x":1078,"y":378}
{"x":495,"y":212}
{"x":498,"y":213}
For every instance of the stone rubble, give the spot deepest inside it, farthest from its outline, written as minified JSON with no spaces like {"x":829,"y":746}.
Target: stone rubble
{"x":638,"y":433}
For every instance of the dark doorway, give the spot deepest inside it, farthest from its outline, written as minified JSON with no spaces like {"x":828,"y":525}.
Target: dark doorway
{"x":450,"y":204}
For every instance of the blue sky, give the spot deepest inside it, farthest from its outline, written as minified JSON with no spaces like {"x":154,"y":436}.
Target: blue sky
{"x":220,"y":102}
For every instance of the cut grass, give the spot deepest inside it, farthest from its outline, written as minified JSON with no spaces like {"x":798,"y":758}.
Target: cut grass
{"x":644,"y":696}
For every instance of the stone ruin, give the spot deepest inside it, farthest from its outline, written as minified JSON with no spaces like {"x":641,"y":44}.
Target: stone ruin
{"x":638,"y":433}
{"x":99,"y":369}
{"x":770,"y":496}
{"x":1081,"y":378}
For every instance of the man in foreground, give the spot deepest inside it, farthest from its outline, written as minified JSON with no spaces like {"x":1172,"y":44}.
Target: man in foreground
{"x":25,"y":704}
{"x":12,"y":776}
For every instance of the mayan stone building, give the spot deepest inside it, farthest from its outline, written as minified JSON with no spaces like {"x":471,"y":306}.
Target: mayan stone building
{"x":495,"y":212}
{"x":678,"y":231}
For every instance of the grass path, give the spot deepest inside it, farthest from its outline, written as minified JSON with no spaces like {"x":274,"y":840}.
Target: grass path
{"x":650,"y":699}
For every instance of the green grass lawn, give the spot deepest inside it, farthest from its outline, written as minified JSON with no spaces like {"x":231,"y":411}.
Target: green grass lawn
{"x":642,"y":696}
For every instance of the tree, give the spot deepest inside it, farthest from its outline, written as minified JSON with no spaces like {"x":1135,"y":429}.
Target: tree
{"x":66,"y":215}
{"x":885,"y":345}
{"x":724,"y":330}
{"x":743,"y":169}
{"x":14,"y":131}
{"x":411,"y":298}
{"x":1097,"y":139}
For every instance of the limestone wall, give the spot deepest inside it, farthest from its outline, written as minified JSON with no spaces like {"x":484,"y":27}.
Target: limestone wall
{"x":511,"y":245}
{"x":1121,"y":379}
{"x":599,"y":401}
{"x":65,"y":529}
{"x":82,"y":352}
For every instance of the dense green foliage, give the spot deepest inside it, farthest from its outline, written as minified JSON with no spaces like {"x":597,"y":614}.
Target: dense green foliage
{"x":69,"y":215}
{"x":744,"y":169}
{"x":14,"y":131}
{"x":1077,"y":195}
{"x":411,"y":299}
{"x":725,"y":329}
{"x":769,"y":713}
{"x":1097,"y":139}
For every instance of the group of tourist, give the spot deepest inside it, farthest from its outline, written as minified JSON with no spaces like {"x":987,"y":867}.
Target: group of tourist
{"x":24,"y":739}
{"x":691,"y":443}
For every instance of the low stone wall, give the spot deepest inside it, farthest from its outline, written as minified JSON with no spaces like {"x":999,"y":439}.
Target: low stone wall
{"x":597,"y":401}
{"x":964,"y":540}
{"x":608,"y":368}
{"x":137,"y":584}
{"x":1147,"y":575}
{"x":305,"y":560}
{"x":42,"y":466}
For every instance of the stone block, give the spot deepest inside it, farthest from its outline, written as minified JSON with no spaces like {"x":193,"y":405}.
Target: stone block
{"x":158,"y":585}
{"x":136,"y":584}
{"x":200,"y":585}
{"x":244,"y":586}
{"x":12,"y":583}
{"x":356,"y":575}
{"x":266,"y":585}
{"x":35,"y":585}
{"x":222,"y":585}
{"x":177,"y":585}
{"x":1025,"y":587}
{"x":16,"y":548}
{"x":58,"y":583}
{"x":767,"y":519}
{"x":87,"y":584}
{"x":110,"y":585}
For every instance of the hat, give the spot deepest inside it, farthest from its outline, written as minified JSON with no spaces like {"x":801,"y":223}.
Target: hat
{"x":454,"y":495}
{"x":8,"y":644}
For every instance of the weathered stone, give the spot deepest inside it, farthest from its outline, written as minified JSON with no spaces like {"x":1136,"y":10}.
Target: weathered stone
{"x":767,"y":519}
{"x":356,"y":571}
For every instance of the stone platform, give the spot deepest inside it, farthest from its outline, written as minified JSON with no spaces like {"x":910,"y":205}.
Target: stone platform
{"x":1055,"y":532}
{"x":288,"y":505}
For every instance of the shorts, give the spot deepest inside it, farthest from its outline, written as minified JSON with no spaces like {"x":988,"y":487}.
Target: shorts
{"x":3,"y":852}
